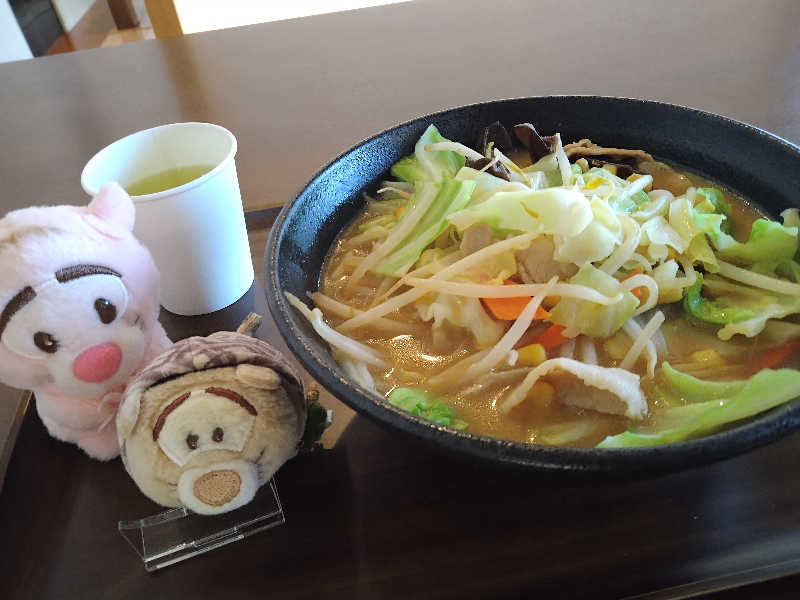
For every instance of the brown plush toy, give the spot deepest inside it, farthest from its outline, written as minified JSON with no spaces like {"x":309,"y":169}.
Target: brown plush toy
{"x":208,"y":422}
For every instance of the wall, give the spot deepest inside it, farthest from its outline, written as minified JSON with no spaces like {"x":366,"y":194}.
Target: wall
{"x":71,"y":11}
{"x":12,"y":43}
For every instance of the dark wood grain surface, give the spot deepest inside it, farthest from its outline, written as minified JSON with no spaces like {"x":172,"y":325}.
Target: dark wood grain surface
{"x":375,"y":514}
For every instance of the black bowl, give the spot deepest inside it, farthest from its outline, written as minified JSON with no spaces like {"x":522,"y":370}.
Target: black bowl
{"x":758,"y":165}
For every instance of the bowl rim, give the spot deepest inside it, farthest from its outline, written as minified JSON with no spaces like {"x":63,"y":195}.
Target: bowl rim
{"x":758,"y":431}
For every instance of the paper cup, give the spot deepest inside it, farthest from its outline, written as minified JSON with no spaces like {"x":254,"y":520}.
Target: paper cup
{"x":195,"y":231}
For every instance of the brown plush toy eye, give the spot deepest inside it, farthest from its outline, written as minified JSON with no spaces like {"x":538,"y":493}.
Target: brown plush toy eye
{"x":191,"y":441}
{"x":45,"y":342}
{"x":217,"y":434}
{"x":105,"y":310}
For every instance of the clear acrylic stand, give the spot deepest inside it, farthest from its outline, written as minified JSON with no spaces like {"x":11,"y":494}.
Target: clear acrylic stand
{"x":177,"y":534}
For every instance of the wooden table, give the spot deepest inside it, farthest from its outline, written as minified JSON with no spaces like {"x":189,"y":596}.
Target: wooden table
{"x":375,"y":514}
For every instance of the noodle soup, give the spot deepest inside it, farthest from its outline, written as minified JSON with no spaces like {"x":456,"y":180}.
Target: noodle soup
{"x":563,"y":294}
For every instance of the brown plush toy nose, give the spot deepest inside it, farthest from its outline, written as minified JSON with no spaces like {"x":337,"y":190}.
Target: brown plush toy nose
{"x":216,"y":488}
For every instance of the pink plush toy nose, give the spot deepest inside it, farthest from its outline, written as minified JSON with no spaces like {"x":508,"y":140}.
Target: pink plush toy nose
{"x":97,"y":363}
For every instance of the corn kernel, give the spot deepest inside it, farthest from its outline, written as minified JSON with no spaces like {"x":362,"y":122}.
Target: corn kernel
{"x":595,"y":183}
{"x":551,"y":301}
{"x":708,"y":357}
{"x":531,"y":355}
{"x":635,"y":176}
{"x":610,"y":168}
{"x":538,"y":405}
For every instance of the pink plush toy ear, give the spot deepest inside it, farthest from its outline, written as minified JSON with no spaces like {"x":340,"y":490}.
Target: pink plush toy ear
{"x":111,"y":211}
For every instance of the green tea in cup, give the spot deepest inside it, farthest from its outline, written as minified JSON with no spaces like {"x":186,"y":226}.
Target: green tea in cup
{"x":166,"y":180}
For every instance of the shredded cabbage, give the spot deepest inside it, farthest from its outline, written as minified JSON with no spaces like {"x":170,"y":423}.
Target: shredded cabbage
{"x":711,"y":406}
{"x":424,"y":195}
{"x":486,"y":184}
{"x":428,"y":165}
{"x":670,"y":284}
{"x":460,"y":311}
{"x":657,"y":204}
{"x":589,"y":318}
{"x":657,"y":234}
{"x":426,"y":406}
{"x":741,"y":309}
{"x":450,"y":196}
{"x":769,"y":242}
{"x":622,"y":196}
{"x":624,"y":251}
{"x":549,"y":210}
{"x":594,"y":243}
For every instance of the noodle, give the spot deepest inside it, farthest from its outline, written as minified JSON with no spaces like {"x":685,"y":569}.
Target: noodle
{"x":340,"y":309}
{"x":512,"y":336}
{"x":478,"y":290}
{"x":642,"y":340}
{"x":624,"y":251}
{"x":397,"y":235}
{"x":764,"y":282}
{"x":342,"y":343}
{"x":462,"y":265}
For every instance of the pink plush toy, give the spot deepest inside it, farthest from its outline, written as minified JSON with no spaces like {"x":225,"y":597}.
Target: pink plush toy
{"x":78,"y":313}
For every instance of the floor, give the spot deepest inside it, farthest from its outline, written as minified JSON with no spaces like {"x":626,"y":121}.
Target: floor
{"x":122,"y":36}
{"x":97,"y":29}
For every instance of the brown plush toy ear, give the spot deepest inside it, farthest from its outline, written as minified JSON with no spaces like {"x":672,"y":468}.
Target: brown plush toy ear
{"x":127,"y":415}
{"x":259,"y":377}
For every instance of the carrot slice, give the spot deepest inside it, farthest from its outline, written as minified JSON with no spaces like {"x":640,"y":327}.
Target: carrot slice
{"x":777,"y":356}
{"x":551,"y":337}
{"x":638,"y":271}
{"x":509,"y":309}
{"x":637,"y":291}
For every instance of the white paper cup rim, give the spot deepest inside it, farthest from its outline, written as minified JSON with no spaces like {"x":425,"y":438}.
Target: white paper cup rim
{"x":90,"y":189}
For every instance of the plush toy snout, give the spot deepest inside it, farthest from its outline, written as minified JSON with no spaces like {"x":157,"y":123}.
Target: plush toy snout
{"x":219,"y":487}
{"x":97,"y":363}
